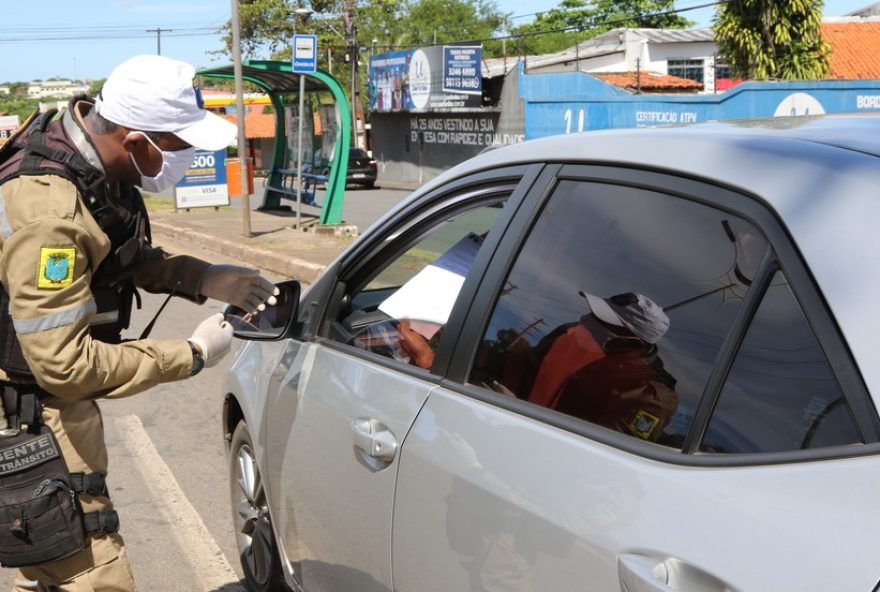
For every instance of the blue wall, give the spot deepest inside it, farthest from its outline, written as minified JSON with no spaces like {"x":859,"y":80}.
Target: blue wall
{"x":569,"y":102}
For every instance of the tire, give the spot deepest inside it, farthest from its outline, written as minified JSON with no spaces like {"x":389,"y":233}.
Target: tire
{"x":370,"y":185}
{"x":255,"y":538}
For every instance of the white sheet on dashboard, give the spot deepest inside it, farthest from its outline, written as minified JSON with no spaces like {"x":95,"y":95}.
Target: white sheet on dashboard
{"x":431,"y":293}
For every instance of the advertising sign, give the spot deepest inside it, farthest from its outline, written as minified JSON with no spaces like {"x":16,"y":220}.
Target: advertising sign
{"x":8,"y":125}
{"x":461,"y":69}
{"x":305,"y":53}
{"x":204,"y":184}
{"x":427,"y":78}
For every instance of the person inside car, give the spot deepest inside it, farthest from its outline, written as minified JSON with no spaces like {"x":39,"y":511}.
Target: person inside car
{"x":604,"y":368}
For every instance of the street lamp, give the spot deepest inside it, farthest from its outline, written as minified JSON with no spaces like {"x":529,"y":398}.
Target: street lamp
{"x":301,"y":12}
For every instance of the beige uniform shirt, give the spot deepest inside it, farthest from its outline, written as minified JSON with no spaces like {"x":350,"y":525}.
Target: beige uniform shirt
{"x":50,"y":245}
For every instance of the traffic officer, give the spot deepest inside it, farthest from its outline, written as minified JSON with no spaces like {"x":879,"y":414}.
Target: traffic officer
{"x":74,"y":245}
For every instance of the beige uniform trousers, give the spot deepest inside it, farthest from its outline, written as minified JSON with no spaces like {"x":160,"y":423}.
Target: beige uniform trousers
{"x":103,"y":565}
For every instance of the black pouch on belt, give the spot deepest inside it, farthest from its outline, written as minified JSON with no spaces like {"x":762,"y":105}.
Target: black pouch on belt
{"x":41,"y":519}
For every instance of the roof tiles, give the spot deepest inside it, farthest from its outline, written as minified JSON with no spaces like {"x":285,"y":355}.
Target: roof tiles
{"x":854,"y":49}
{"x":257,"y":126}
{"x":649,"y":81}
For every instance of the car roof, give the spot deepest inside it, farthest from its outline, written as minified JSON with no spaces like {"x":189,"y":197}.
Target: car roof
{"x":820,"y":175}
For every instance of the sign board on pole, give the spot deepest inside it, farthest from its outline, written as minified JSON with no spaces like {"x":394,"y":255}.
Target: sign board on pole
{"x":427,"y":78}
{"x":8,"y":126}
{"x":204,"y":184}
{"x":305,"y":53}
{"x":461,"y":69}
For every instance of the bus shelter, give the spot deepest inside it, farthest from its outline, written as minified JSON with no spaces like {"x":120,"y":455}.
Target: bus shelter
{"x":277,"y":80}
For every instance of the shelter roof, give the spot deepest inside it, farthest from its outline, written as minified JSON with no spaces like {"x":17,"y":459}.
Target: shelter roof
{"x":273,"y":75}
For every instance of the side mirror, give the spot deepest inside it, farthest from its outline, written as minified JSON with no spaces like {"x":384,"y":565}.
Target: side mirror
{"x":270,"y":324}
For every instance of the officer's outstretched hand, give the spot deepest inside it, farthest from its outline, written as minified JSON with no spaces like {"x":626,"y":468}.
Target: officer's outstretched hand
{"x":239,"y":286}
{"x":213,"y":337}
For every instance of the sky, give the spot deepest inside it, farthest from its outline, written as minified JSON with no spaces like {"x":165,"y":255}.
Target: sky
{"x":84,"y":40}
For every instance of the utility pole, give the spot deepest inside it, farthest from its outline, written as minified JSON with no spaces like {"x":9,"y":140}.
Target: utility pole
{"x":349,"y":15}
{"x":158,"y":31}
{"x":239,"y":111}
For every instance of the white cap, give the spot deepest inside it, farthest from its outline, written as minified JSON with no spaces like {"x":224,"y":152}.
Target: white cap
{"x":636,"y":312}
{"x":156,"y":94}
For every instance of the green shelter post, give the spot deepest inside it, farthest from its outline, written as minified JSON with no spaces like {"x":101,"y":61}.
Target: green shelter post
{"x":277,"y":78}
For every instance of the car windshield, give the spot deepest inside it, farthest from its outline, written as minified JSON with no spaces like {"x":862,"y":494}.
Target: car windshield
{"x":357,"y":153}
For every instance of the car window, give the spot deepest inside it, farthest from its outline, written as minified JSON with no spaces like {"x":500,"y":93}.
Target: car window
{"x":616,"y":308}
{"x":356,"y":153}
{"x":780,"y":394}
{"x":402,"y":309}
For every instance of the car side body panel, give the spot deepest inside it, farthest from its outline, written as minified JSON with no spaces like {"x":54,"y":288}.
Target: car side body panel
{"x":491,"y":500}
{"x":332,"y":507}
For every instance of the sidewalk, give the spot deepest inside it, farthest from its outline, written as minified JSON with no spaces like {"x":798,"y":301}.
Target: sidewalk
{"x":275,"y":246}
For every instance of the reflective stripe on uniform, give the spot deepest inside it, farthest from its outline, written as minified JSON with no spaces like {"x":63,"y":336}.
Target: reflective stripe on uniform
{"x":54,"y":320}
{"x":5,"y":228}
{"x":102,"y":318}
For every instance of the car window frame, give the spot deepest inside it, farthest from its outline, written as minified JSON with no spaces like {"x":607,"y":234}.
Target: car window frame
{"x":713,"y":194}
{"x":407,"y":227}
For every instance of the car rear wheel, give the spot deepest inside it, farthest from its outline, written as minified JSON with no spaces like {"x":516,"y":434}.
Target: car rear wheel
{"x":250,"y":514}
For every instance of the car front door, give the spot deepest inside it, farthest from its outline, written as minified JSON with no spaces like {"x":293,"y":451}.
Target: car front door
{"x":345,"y":410}
{"x":648,"y":395}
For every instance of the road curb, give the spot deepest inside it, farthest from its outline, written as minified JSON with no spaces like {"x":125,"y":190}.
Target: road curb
{"x":283,"y":265}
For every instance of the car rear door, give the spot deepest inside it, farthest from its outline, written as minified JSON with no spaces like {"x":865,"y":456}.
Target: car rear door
{"x":735,"y":451}
{"x":342,"y":416}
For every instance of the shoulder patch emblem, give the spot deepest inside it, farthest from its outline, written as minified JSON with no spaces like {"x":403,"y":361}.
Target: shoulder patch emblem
{"x":643,"y":424}
{"x":56,"y":267}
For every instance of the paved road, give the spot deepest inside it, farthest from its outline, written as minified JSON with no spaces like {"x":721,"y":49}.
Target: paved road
{"x":362,"y":207}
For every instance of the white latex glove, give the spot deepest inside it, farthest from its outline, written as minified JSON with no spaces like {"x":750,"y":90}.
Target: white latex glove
{"x":239,"y":286}
{"x":213,"y":337}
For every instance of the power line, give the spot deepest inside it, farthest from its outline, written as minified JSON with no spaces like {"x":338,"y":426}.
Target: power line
{"x":570,"y":28}
{"x":582,"y":8}
{"x":105,"y":37}
{"x":618,"y":21}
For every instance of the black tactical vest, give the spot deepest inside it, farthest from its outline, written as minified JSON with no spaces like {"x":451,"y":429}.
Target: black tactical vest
{"x":44,"y":147}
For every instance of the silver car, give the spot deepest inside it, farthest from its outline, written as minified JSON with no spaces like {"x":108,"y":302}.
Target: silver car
{"x":634,"y":360}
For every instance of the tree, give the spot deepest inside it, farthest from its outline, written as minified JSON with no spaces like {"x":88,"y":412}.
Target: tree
{"x":449,"y":21}
{"x":768,"y":39}
{"x":268,"y":25}
{"x":95,"y":87}
{"x":20,"y":107}
{"x":577,"y":20}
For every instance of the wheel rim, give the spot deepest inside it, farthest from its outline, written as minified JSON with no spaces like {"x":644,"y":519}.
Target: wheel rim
{"x":252,"y":525}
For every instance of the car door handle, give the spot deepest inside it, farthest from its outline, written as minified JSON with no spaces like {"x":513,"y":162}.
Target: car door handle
{"x":639,"y":573}
{"x":374,"y":439}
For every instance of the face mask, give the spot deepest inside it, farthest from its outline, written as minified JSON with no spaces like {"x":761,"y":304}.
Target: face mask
{"x":174,"y":165}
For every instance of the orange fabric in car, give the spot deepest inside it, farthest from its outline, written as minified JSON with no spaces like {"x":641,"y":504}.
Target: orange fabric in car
{"x":572,"y":351}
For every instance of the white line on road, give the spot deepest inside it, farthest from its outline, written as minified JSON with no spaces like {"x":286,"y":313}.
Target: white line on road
{"x":208,"y":562}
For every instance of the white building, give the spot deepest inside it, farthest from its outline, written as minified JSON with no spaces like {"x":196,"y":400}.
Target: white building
{"x":4,"y":90}
{"x":691,"y":53}
{"x":684,"y":53}
{"x":54,"y":89}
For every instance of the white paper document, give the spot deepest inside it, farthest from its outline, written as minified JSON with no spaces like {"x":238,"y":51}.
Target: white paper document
{"x":431,"y":293}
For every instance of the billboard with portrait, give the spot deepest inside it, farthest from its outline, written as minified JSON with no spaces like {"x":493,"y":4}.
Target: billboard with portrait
{"x":426,"y":78}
